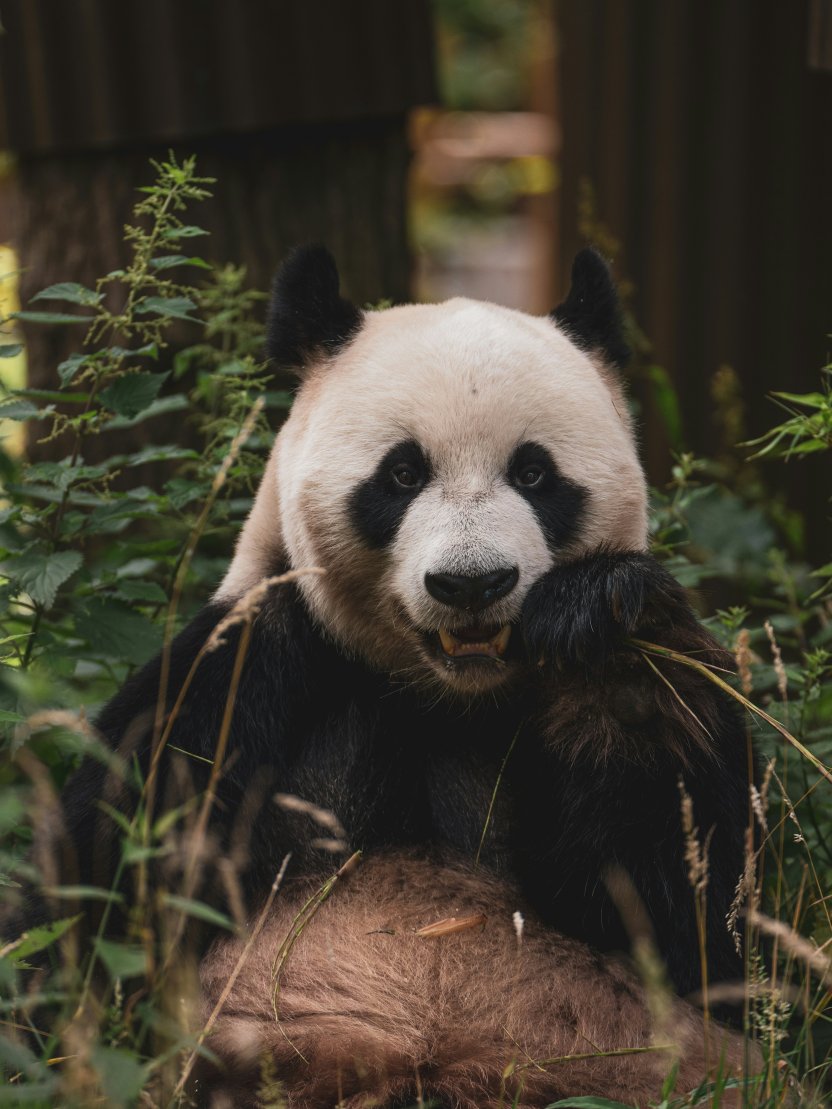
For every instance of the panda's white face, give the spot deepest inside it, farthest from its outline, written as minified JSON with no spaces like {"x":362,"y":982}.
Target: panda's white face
{"x":436,"y":467}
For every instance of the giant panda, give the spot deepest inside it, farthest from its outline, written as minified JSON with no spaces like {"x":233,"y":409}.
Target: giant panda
{"x":457,"y":499}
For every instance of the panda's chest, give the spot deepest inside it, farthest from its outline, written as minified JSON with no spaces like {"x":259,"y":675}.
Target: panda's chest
{"x":462,"y":796}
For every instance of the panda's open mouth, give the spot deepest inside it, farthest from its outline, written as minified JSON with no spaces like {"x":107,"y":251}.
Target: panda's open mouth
{"x":464,"y":643}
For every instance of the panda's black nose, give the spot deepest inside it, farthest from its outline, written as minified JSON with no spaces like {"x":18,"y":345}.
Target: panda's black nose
{"x":471,"y":593}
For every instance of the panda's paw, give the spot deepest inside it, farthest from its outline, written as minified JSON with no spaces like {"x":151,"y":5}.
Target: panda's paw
{"x":582,"y":611}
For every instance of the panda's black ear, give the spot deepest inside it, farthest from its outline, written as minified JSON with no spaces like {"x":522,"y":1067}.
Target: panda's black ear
{"x":307,"y":316}
{"x":591,"y":313}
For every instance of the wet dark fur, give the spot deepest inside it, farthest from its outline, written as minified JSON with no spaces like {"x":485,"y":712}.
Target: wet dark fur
{"x":371,"y":1014}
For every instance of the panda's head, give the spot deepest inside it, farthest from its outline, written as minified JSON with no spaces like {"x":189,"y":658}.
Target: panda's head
{"x":437,"y":461}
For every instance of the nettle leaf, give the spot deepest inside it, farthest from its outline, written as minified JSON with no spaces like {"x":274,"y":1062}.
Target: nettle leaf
{"x":70,"y":366}
{"x":115,"y":631}
{"x":147,"y":592}
{"x":48,"y":317}
{"x":181,"y":492}
{"x":41,"y":575}
{"x":131,"y":394}
{"x":176,"y":308}
{"x":122,"y":960}
{"x":113,"y":515}
{"x":38,"y":939}
{"x":168,"y":261}
{"x":122,"y":1076}
{"x":149,"y":350}
{"x":161,"y":453}
{"x":62,"y":474}
{"x":10,"y":350}
{"x":71,"y":292}
{"x":175,"y":402}
{"x":24,"y":410}
{"x":183,"y":232}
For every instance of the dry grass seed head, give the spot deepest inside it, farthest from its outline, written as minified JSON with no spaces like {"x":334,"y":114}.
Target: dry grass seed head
{"x":696,"y":851}
{"x":743,"y":656}
{"x":779,"y":668}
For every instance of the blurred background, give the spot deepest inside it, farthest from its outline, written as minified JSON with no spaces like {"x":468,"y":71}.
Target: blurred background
{"x":461,"y":147}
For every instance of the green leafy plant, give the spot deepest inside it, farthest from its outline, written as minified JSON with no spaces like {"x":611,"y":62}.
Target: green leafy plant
{"x":98,"y":567}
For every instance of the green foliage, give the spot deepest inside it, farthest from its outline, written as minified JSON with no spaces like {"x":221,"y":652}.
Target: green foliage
{"x":484,"y":52}
{"x":91,"y":560}
{"x":89,"y":556}
{"x":103,"y":547}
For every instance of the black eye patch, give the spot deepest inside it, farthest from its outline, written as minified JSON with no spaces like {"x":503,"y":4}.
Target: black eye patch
{"x":557,"y":502}
{"x":377,"y":505}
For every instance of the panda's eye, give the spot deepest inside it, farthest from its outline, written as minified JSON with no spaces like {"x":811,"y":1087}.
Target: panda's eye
{"x":405,"y":476}
{"x":530,"y":477}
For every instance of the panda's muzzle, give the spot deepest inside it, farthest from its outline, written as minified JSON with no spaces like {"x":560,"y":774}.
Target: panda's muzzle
{"x":472,"y":593}
{"x":467,"y":636}
{"x":475,"y":642}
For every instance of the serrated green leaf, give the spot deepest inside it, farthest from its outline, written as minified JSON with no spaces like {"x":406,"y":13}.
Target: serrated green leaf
{"x":62,"y":475}
{"x":116,"y":632}
{"x":41,"y":575}
{"x":122,"y":960}
{"x":70,"y":366}
{"x":114,"y":516}
{"x":131,"y":394}
{"x":176,"y":402}
{"x":17,"y":1056}
{"x":162,"y":453}
{"x":184,"y":232}
{"x":39,"y":1092}
{"x":168,"y":261}
{"x":38,"y":939}
{"x":24,"y":410}
{"x":10,"y":350}
{"x":122,"y":1075}
{"x":71,"y":292}
{"x":48,"y":317}
{"x":147,"y":592}
{"x":198,"y":910}
{"x":149,"y":350}
{"x":181,"y":492}
{"x":176,"y":308}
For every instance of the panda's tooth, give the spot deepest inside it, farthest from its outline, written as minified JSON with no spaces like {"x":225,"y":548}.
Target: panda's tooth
{"x":495,"y":646}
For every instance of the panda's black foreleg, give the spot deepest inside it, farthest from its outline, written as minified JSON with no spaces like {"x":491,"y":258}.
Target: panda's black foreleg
{"x":580,"y":612}
{"x":616,"y":741}
{"x":294,"y":729}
